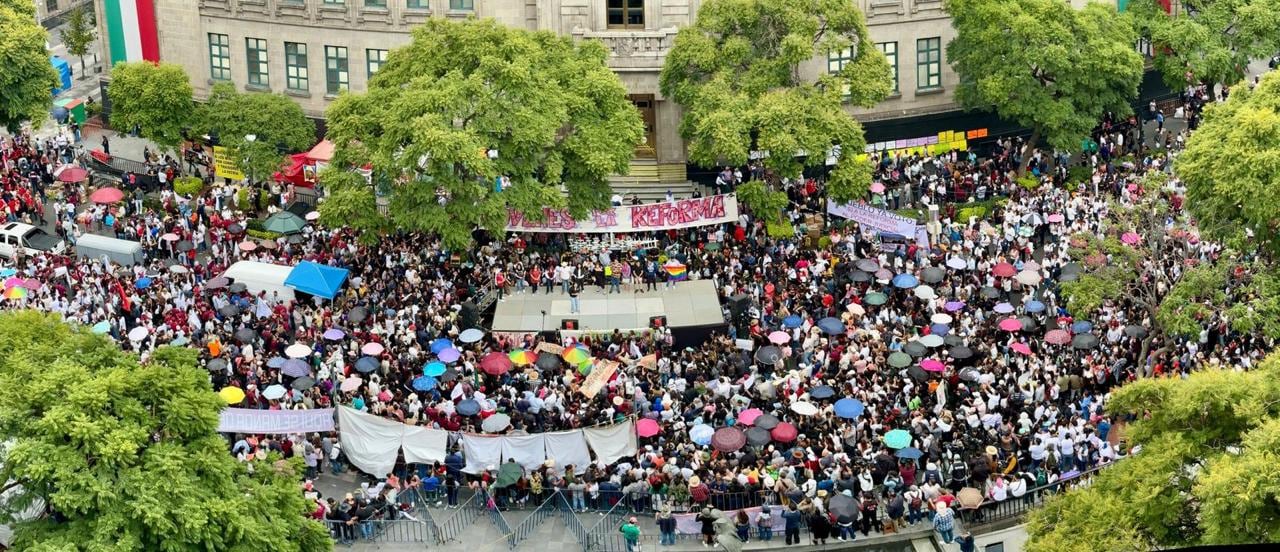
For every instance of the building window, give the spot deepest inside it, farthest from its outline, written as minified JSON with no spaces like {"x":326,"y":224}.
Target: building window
{"x":255,"y":50}
{"x":890,"y":51}
{"x":219,"y":57}
{"x":462,"y":5}
{"x":336,"y":77}
{"x":626,"y":14}
{"x":835,"y":63}
{"x":50,"y":6}
{"x":335,"y":2}
{"x":928,"y":63}
{"x":296,"y":72}
{"x":417,"y":4}
{"x":374,"y":60}
{"x":375,"y":3}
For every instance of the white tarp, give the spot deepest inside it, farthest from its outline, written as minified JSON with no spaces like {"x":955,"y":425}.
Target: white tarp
{"x":612,"y":442}
{"x":370,"y":442}
{"x":568,"y":448}
{"x":481,"y":452}
{"x":423,"y":445}
{"x":279,"y":422}
{"x":529,"y":451}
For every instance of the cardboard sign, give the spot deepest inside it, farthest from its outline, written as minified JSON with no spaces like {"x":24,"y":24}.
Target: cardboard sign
{"x":600,"y":374}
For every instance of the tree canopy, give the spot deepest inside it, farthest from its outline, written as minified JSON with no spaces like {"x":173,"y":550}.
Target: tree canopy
{"x":157,"y":98}
{"x":1231,"y":166}
{"x":737,"y":73}
{"x":1210,"y":41}
{"x":1205,"y":472}
{"x":79,"y":34}
{"x":117,"y":454}
{"x":28,"y":80}
{"x":466,"y":103}
{"x":1044,"y":64}
{"x":276,"y":122}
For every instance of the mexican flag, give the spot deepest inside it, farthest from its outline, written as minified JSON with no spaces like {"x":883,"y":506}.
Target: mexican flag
{"x":131,"y":30}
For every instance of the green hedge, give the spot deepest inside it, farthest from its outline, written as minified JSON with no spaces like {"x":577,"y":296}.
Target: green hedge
{"x":979,"y":209}
{"x":188,"y":186}
{"x":262,"y":234}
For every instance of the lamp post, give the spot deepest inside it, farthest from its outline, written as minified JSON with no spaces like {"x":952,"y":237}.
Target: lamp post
{"x":250,"y":139}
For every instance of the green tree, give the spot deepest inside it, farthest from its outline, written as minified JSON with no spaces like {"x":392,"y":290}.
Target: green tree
{"x":156,"y":98}
{"x":124,"y":455}
{"x":350,"y":201}
{"x":27,"y":80}
{"x":1044,"y":64}
{"x":277,"y":124}
{"x":1209,"y":41}
{"x":1205,"y":474}
{"x":79,"y":34}
{"x":466,"y":103}
{"x":737,"y":73}
{"x":1231,"y":166}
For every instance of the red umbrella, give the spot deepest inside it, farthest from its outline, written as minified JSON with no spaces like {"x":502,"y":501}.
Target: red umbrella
{"x":1011,"y":325}
{"x":1021,"y":348}
{"x":728,"y":439}
{"x":1058,"y":337}
{"x":784,"y":433}
{"x":73,"y":174}
{"x":1004,"y":270}
{"x":495,"y":364}
{"x":647,"y":427}
{"x":106,"y":195}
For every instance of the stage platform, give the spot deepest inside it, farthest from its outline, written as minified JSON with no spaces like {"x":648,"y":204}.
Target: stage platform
{"x":691,"y":303}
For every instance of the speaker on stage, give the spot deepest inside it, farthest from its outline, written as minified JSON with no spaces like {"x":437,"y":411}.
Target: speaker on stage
{"x":569,"y":324}
{"x":470,"y":315}
{"x":657,"y":322}
{"x":738,"y":304}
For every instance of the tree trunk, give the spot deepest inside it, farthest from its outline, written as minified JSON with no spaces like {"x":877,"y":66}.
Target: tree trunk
{"x":1026,"y":151}
{"x":83,"y":71}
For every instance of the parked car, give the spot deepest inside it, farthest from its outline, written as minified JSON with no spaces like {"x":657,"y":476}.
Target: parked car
{"x":30,"y":239}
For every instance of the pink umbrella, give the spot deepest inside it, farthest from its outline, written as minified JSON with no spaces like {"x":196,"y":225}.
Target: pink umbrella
{"x":248,"y":246}
{"x":779,"y":338}
{"x":13,"y":281}
{"x":1056,"y":217}
{"x":171,"y":237}
{"x":372,"y":349}
{"x":495,"y":364}
{"x":1130,"y":238}
{"x":1021,"y":348}
{"x":877,"y":188}
{"x":1058,"y":337}
{"x":932,"y":365}
{"x":646,"y":427}
{"x":748,"y":416}
{"x":784,"y":433}
{"x":1004,"y":270}
{"x":1011,"y":325}
{"x":351,"y":384}
{"x":32,"y":284}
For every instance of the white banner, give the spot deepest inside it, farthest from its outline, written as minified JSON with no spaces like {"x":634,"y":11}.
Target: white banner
{"x":275,"y":422}
{"x":424,"y":445}
{"x":685,"y":213}
{"x":370,"y":442}
{"x":880,"y":219}
{"x":612,"y":442}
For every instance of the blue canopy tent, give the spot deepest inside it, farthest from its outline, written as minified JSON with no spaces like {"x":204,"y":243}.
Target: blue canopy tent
{"x":64,"y":74}
{"x":317,"y":279}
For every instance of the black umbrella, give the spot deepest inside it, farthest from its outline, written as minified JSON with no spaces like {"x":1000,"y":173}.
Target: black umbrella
{"x":952,"y":340}
{"x":450,"y":374}
{"x":770,"y":355}
{"x":217,"y":283}
{"x":918,"y":373}
{"x":989,"y":292}
{"x":303,"y":383}
{"x":296,"y":239}
{"x":915,"y":349}
{"x":358,"y":314}
{"x":933,"y":275}
{"x":235,"y":228}
{"x":1084,"y":341}
{"x":245,"y":335}
{"x":860,"y":276}
{"x":1072,"y":268}
{"x":766,"y":421}
{"x":866,"y":265}
{"x":547,"y":361}
{"x":843,"y":506}
{"x":960,"y":352}
{"x":366,"y":364}
{"x":185,"y":245}
{"x":1028,"y":324}
{"x":1135,"y":331}
{"x":216,"y":365}
{"x":758,"y":436}
{"x":237,"y":288}
{"x":969,"y":374}
{"x":228,"y":310}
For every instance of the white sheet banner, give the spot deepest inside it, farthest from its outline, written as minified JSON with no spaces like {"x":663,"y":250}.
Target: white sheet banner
{"x":529,"y":451}
{"x":612,"y":442}
{"x":252,"y":420}
{"x":685,"y":213}
{"x":568,"y":448}
{"x":481,"y":452}
{"x":423,"y":445}
{"x":879,"y":219}
{"x":370,"y":442}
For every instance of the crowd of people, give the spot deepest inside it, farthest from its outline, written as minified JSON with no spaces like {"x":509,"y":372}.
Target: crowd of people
{"x":916,"y":335}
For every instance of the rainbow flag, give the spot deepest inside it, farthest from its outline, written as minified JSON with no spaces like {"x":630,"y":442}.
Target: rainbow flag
{"x":131,"y":30}
{"x":677,"y":271}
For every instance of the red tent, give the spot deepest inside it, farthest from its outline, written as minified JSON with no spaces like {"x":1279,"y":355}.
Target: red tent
{"x":303,"y":167}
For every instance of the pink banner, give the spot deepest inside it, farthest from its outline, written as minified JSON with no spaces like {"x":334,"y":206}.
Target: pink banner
{"x":684,"y":213}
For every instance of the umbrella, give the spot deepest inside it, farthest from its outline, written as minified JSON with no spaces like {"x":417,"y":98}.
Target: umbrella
{"x":969,"y":497}
{"x":941,"y":318}
{"x":351,"y":384}
{"x":284,"y":222}
{"x":969,"y":374}
{"x":822,"y":392}
{"x":860,"y":276}
{"x":758,"y":436}
{"x":106,"y":195}
{"x":495,"y":423}
{"x":237,"y":288}
{"x":334,"y":334}
{"x":831,"y":326}
{"x":988,"y":292}
{"x":101,"y":327}
{"x":1072,"y":268}
{"x":1033,"y":307}
{"x":905,"y":281}
{"x":296,"y":368}
{"x":276,"y":362}
{"x":748,"y":416}
{"x":72,"y":175}
{"x":804,"y":408}
{"x":469,"y":407}
{"x":274,"y":392}
{"x":357,"y":314}
{"x":546,"y":361}
{"x":268,"y":245}
{"x":784,"y":433}
{"x":297,"y":350}
{"x":434,"y":368}
{"x":843,"y":506}
{"x":1135,"y":331}
{"x":915,"y":349}
{"x":245,"y":335}
{"x":521,"y":357}
{"x":701,"y":434}
{"x":953,"y":306}
{"x":178,"y":269}
{"x":1083,"y":326}
{"x":899,"y":359}
{"x":440,"y":344}
{"x":1028,"y":323}
{"x":1084,"y":341}
{"x":728,"y":439}
{"x":925,"y":292}
{"x":216,"y":365}
{"x":296,"y":239}
{"x":767,"y":421}
{"x":449,"y":375}
{"x":1002,"y":308}
{"x":897,"y":439}
{"x":313,"y":215}
{"x":1055,"y":217}
{"x":1130,"y":238}
{"x":576,"y":355}
{"x":931,"y":340}
{"x":228,"y":310}
{"x":855,"y":309}
{"x":1030,"y":265}
{"x":884,"y":274}
{"x":910,"y":453}
{"x":217,"y":283}
{"x":956,"y":263}
{"x":366,"y":364}
{"x":792,"y":321}
{"x":231,"y":395}
{"x":769,"y":355}
{"x":1011,"y":325}
{"x":142,"y":283}
{"x":16,"y":292}
{"x":1029,"y":277}
{"x":647,"y":427}
{"x":933,"y":275}
{"x":508,"y":474}
{"x":932,"y":365}
{"x":1068,"y":276}
{"x":960,"y":352}
{"x":866,"y":265}
{"x":952,"y":340}
{"x":1058,"y":337}
{"x":779,"y":338}
{"x":849,"y":408}
{"x":1021,"y":348}
{"x":495,"y":364}
{"x":1004,"y":270}
{"x":235,"y":228}
{"x":452,"y":355}
{"x":303,"y":383}
{"x":247,"y":245}
{"x":137,"y":334}
{"x":875,"y":298}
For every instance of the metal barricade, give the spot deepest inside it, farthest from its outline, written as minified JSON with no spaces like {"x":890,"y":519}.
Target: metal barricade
{"x":530,"y":524}
{"x":450,"y":528}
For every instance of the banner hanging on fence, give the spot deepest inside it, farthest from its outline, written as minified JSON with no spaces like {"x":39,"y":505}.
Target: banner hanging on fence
{"x":252,"y":420}
{"x":685,"y":213}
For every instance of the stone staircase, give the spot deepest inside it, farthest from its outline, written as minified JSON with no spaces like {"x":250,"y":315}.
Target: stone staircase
{"x":650,"y":181}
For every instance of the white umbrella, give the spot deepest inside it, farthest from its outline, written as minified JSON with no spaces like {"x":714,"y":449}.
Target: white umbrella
{"x":956,"y":263}
{"x":931,"y":340}
{"x":1028,"y":277}
{"x":495,"y":423}
{"x":941,"y":318}
{"x":297,"y":350}
{"x":856,"y":309}
{"x":313,"y":215}
{"x":924,"y":292}
{"x":352,"y":383}
{"x":138,"y":334}
{"x":178,"y":269}
{"x":273,"y":392}
{"x":804,"y":408}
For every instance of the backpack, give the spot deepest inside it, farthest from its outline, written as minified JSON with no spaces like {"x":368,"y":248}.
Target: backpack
{"x":1042,"y":478}
{"x":916,"y":502}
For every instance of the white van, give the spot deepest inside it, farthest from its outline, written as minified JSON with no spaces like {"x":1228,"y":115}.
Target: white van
{"x":258,"y":277}
{"x":122,"y":252}
{"x":32,"y":240}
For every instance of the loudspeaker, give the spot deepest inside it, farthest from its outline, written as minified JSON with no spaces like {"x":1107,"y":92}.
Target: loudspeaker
{"x":738,"y":304}
{"x":656,"y":322}
{"x":470,"y":315}
{"x":569,"y":324}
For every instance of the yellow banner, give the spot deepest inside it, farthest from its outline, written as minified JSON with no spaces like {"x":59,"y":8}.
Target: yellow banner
{"x":224,"y":163}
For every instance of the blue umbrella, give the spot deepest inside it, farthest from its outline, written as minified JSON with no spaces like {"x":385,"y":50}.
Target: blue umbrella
{"x":793,"y":321}
{"x":435,"y":368}
{"x":905,"y":281}
{"x":1083,"y":326}
{"x":471,"y":335}
{"x":910,"y":453}
{"x":1034,"y":307}
{"x":897,"y":439}
{"x":296,"y":368}
{"x":180,"y":341}
{"x":939,"y":330}
{"x":822,"y":392}
{"x":276,"y":362}
{"x":424,"y":383}
{"x":101,"y":327}
{"x":831,"y":326}
{"x":143,"y":283}
{"x":7,"y":272}
{"x":468,"y":407}
{"x":848,"y":408}
{"x":366,"y":364}
{"x":440,"y":345}
{"x":701,"y":434}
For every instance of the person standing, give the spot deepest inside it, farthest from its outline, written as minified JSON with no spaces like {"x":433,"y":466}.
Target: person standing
{"x":667,"y":526}
{"x":792,"y":528}
{"x":819,"y":528}
{"x":575,"y":289}
{"x":764,"y":523}
{"x":630,"y":534}
{"x":944,"y":522}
